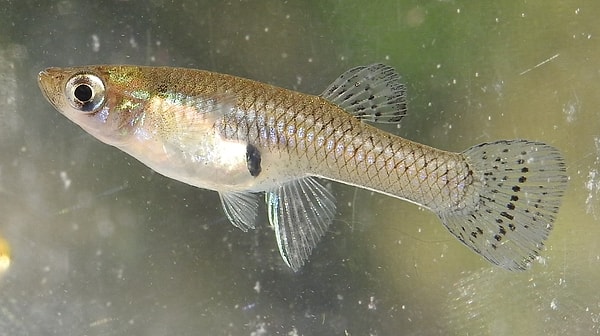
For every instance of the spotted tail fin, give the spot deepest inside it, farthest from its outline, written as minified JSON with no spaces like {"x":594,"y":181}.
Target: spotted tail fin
{"x":515,"y":201}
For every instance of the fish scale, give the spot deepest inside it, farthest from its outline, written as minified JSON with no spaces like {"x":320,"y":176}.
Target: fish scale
{"x":244,"y":138}
{"x":413,"y":181}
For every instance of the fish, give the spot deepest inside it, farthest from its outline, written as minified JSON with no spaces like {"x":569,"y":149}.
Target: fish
{"x":249,"y":140}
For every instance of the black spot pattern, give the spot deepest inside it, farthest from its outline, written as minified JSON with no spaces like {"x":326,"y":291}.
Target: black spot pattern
{"x":371,"y":93}
{"x":514,"y":203}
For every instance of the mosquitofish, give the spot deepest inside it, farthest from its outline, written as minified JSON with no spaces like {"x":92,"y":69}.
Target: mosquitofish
{"x":243,"y":139}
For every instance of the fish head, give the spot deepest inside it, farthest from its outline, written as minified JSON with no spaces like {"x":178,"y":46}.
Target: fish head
{"x":161,"y":116}
{"x":93,"y":98}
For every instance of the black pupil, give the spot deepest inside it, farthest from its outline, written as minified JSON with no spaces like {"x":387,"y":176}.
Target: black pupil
{"x":83,"y":92}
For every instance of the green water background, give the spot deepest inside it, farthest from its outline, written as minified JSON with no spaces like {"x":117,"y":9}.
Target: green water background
{"x":101,"y":245}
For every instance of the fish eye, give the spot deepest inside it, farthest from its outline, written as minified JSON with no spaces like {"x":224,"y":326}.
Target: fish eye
{"x":85,"y":92}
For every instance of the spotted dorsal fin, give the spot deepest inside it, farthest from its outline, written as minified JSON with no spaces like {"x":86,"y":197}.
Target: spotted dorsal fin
{"x":371,"y":93}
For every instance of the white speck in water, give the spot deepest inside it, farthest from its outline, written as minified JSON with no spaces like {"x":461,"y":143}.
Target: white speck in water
{"x":266,"y":29}
{"x":65,"y":179}
{"x":438,"y":66}
{"x":554,"y":304}
{"x":577,"y":11}
{"x":95,"y":43}
{"x":247,"y":37}
{"x":260,"y":329}
{"x":372,"y":305}
{"x":257,"y":287}
{"x":541,"y":260}
{"x":570,"y":109}
{"x":310,"y":60}
{"x":593,"y":183}
{"x":458,"y":11}
{"x":133,"y":43}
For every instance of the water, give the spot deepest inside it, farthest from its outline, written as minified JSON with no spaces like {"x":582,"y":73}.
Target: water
{"x":100,"y":245}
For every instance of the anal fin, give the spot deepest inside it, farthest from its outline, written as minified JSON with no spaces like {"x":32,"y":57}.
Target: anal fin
{"x":300,"y":211}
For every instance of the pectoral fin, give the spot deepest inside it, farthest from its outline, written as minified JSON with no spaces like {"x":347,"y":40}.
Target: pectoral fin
{"x":300,"y":211}
{"x":241,"y":208}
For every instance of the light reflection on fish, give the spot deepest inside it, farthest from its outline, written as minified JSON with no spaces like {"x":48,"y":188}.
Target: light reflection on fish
{"x":241,"y":138}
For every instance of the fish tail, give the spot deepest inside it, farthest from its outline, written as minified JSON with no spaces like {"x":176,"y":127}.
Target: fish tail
{"x":515,"y":197}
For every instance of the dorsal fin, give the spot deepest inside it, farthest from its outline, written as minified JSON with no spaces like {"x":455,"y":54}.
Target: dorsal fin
{"x":372,"y":93}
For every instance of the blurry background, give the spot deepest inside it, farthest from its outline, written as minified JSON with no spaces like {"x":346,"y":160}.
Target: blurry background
{"x":94,"y":243}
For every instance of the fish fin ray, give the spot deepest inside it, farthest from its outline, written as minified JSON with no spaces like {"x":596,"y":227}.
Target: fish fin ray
{"x":372,"y":93}
{"x":241,"y":208}
{"x":300,"y":211}
{"x":520,"y":189}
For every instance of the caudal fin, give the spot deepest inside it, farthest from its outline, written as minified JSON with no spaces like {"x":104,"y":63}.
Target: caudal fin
{"x":519,"y":189}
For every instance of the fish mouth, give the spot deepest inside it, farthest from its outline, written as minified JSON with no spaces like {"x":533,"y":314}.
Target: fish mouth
{"x":49,"y":81}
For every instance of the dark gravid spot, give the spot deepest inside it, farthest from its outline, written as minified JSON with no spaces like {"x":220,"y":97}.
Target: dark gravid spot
{"x":253,"y":160}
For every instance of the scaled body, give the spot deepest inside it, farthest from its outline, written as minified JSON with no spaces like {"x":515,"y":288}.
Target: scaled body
{"x":240,"y":138}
